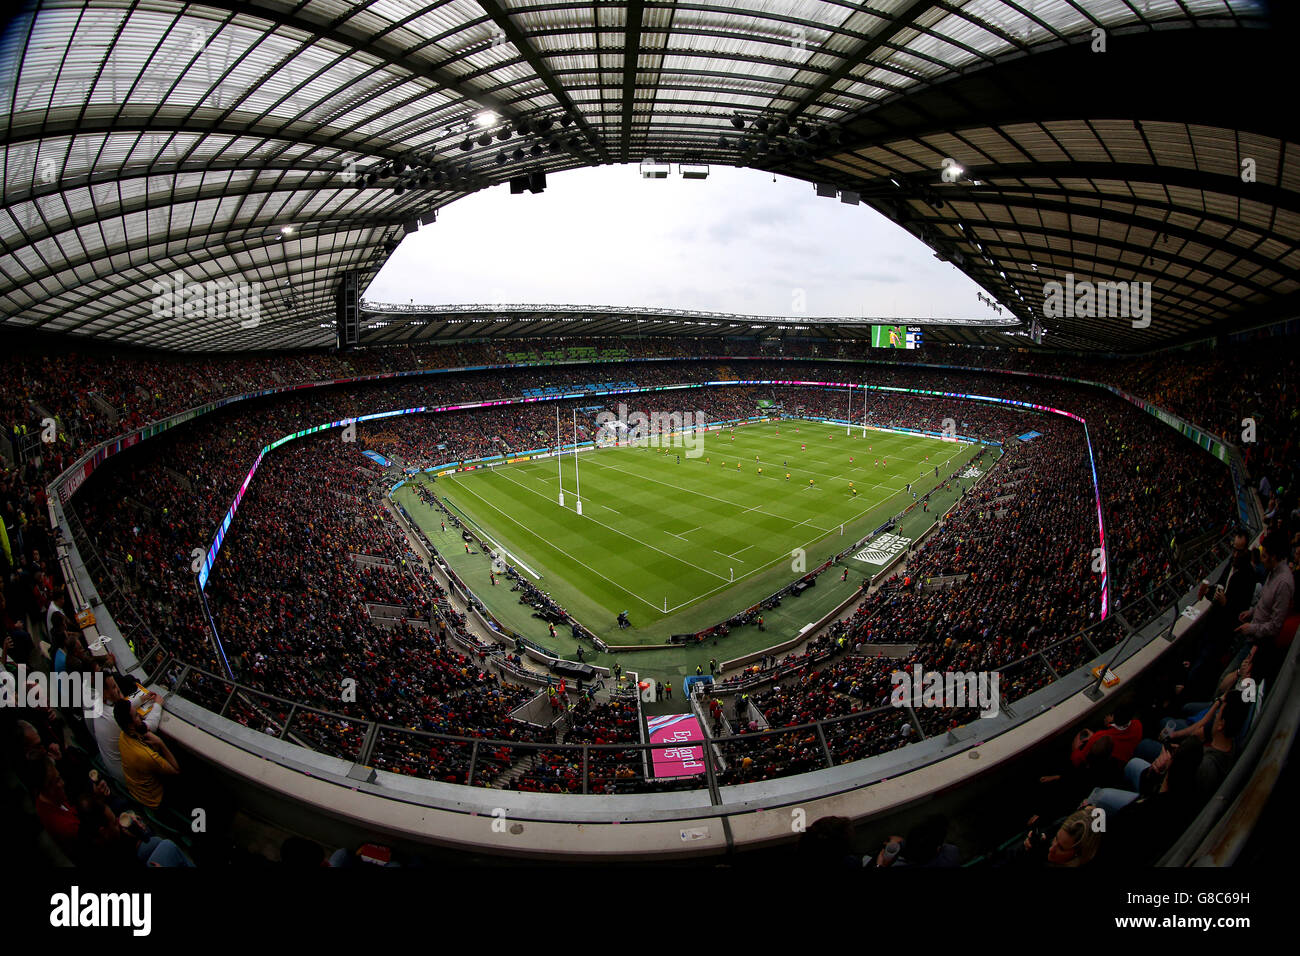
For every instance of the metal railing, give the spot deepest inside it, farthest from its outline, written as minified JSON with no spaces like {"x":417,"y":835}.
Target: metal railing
{"x":1038,"y":669}
{"x":476,"y":761}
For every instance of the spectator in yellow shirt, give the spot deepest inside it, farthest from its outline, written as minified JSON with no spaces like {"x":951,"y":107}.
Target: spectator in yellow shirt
{"x":145,"y":758}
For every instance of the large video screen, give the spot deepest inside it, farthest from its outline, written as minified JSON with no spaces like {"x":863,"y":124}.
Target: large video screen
{"x":895,"y":337}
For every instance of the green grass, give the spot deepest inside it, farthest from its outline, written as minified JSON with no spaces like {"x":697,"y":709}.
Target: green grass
{"x":657,"y":533}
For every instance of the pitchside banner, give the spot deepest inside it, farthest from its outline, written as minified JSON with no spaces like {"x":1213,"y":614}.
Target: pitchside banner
{"x":676,"y":761}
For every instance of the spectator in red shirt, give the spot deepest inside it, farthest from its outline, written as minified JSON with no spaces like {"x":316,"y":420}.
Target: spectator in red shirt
{"x":53,"y":806}
{"x":1125,"y":731}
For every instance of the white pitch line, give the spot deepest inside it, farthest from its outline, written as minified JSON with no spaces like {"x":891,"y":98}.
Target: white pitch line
{"x":688,"y":491}
{"x":644,"y":544}
{"x":700,"y":597}
{"x":901,"y":458}
{"x":758,"y":570}
{"x":883,"y":484}
{"x":501,"y":548}
{"x":570,"y":555}
{"x":808,"y":521}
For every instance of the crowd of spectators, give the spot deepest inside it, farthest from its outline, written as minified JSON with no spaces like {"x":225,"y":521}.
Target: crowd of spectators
{"x":1017,"y":572}
{"x":290,"y":591}
{"x":1148,"y":768}
{"x":1041,"y":528}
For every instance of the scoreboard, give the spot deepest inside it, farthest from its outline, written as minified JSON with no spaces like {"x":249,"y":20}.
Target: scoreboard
{"x":895,"y":336}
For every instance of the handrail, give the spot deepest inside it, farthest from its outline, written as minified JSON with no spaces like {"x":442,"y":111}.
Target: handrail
{"x":374,"y":729}
{"x":77,"y":472}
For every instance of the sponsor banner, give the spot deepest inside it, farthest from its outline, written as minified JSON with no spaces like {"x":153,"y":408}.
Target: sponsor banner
{"x":69,"y":487}
{"x":676,"y":761}
{"x":883,"y":549}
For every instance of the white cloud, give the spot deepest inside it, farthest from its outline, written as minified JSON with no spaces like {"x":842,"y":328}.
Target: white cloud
{"x":736,"y":242}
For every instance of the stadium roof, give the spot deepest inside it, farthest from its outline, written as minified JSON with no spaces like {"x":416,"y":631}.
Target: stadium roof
{"x":386,"y":324}
{"x":266,"y":143}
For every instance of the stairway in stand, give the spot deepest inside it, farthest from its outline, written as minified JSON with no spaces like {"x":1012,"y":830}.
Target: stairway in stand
{"x":505,"y":780}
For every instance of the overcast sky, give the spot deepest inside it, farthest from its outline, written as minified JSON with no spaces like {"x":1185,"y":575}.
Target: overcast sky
{"x":735,"y":242}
